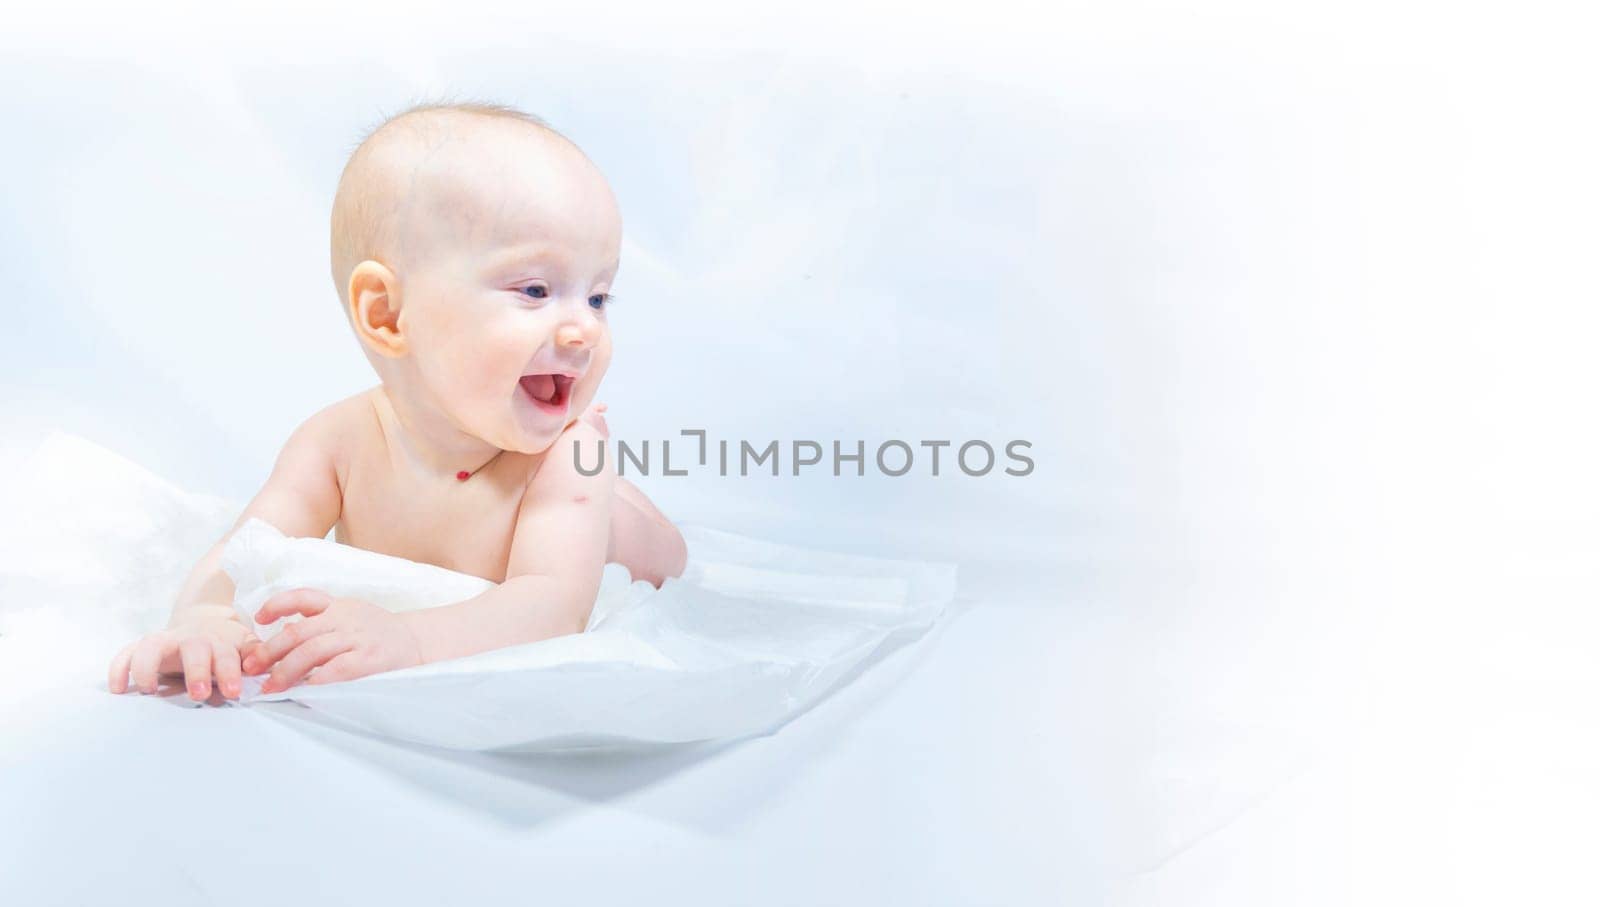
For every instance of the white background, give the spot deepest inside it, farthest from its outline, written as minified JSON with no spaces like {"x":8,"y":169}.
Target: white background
{"x":1295,"y":304}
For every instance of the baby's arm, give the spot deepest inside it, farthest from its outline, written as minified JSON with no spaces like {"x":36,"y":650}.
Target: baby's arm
{"x":204,"y":637}
{"x":642,"y":538}
{"x":301,"y":498}
{"x":558,"y":551}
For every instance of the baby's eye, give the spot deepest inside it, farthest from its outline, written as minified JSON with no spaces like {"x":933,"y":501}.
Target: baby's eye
{"x":599,"y":299}
{"x":536,"y":291}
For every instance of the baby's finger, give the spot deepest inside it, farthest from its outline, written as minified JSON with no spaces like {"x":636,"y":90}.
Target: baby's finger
{"x":293,"y":601}
{"x":340,"y":667}
{"x":196,"y":654}
{"x":146,"y":662}
{"x":305,"y":657}
{"x":278,"y":646}
{"x":117,"y":679}
{"x":248,"y":646}
{"x":227,"y":667}
{"x":593,"y":416}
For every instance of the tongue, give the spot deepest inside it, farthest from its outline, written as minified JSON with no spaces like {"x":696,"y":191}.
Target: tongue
{"x":542,"y":387}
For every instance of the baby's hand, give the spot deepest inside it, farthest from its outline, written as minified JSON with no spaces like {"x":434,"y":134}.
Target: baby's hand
{"x":594,"y":415}
{"x":205,"y":642}
{"x":343,"y":638}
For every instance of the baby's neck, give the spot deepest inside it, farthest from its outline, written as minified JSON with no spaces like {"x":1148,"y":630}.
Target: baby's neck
{"x":426,"y":440}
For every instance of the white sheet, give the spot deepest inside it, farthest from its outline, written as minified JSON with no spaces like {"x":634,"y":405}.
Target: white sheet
{"x":751,"y":634}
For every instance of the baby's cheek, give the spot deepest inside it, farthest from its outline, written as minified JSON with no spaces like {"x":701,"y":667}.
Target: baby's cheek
{"x":488,"y":365}
{"x":599,"y":362}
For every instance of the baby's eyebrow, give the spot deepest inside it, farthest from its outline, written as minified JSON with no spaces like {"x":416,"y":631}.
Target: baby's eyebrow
{"x":517,"y":256}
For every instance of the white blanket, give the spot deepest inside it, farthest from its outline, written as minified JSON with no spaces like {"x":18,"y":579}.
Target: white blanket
{"x":752,"y":634}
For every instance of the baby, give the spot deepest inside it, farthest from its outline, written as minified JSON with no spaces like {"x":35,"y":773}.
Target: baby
{"x":474,"y":249}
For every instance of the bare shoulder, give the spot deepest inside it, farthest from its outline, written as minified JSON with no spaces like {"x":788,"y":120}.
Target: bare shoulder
{"x":303,"y":496}
{"x":562,"y":527}
{"x":576,"y":464}
{"x":327,"y":440}
{"x":356,"y":412}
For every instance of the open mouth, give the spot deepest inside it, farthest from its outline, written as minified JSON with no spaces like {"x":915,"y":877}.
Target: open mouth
{"x":549,"y":393}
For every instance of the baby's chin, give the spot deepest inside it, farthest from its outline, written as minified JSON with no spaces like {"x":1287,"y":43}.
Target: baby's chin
{"x":535,"y":439}
{"x":526,"y":443}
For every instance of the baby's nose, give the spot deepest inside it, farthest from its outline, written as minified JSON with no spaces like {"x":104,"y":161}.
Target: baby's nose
{"x":575,"y":334}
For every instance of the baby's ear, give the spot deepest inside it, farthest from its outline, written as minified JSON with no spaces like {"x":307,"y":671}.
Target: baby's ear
{"x":375,"y":308}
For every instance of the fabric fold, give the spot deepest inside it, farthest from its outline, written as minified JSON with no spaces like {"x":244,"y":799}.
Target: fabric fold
{"x":754,"y":632}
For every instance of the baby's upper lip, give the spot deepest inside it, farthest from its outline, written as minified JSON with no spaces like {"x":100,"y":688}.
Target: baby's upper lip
{"x":565,"y":371}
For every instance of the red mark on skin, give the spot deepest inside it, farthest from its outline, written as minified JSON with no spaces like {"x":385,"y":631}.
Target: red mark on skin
{"x":463,"y":475}
{"x":580,"y":499}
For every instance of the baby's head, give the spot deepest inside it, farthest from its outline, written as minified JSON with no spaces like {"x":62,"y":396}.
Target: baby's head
{"x":474,"y":250}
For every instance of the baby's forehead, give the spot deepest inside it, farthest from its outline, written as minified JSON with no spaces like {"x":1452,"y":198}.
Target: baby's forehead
{"x":491,"y":187}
